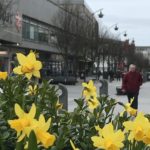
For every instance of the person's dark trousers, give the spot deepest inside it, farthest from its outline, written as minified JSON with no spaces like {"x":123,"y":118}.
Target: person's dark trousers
{"x":135,"y":100}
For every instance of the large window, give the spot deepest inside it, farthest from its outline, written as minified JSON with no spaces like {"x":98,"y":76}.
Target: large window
{"x":34,"y":30}
{"x":53,"y":68}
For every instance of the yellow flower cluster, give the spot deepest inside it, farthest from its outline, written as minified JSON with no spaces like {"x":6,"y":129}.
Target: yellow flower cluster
{"x":26,"y":123}
{"x":29,"y":66}
{"x":129,"y":109}
{"x":90,"y":94}
{"x":139,"y":129}
{"x":108,"y":138}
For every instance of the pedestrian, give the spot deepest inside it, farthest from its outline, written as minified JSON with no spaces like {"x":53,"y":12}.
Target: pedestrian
{"x":118,"y":75}
{"x":111,"y":75}
{"x":131,"y":83}
{"x":99,"y":74}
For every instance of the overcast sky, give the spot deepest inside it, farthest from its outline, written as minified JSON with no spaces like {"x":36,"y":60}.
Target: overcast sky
{"x":132,"y":16}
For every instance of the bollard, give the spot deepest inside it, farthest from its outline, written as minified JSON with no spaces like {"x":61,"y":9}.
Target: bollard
{"x":103,"y":89}
{"x":64,"y":96}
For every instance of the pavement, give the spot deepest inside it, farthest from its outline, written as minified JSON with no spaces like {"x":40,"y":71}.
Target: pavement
{"x":75,"y":91}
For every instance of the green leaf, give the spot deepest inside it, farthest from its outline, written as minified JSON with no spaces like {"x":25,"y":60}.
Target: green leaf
{"x":80,"y":102}
{"x":5,"y":135}
{"x":19,"y":145}
{"x":32,"y":141}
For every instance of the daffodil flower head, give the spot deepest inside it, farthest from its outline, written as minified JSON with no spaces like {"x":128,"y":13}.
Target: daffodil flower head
{"x":108,"y":138}
{"x":59,"y":105}
{"x":129,"y":109}
{"x":89,"y":90}
{"x":25,"y":121}
{"x":32,"y":90}
{"x":73,"y":146}
{"x":29,"y":66}
{"x":93,"y":103}
{"x":41,"y":133}
{"x":146,"y":138}
{"x":3,"y":75}
{"x":137,"y":127}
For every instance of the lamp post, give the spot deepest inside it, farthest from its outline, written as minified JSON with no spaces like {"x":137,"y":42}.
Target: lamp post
{"x":116,"y":28}
{"x":105,"y":47}
{"x":124,"y":34}
{"x":94,"y":34}
{"x":101,"y":15}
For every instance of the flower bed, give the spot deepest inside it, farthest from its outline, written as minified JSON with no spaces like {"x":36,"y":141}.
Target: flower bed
{"x":31,"y":116}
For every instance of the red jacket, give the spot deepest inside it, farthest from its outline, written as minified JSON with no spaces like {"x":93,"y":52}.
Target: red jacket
{"x":132,"y":82}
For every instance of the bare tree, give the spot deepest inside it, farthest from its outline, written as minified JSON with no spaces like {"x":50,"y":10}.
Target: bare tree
{"x":64,"y":34}
{"x":103,"y":51}
{"x":74,"y":35}
{"x":6,"y":12}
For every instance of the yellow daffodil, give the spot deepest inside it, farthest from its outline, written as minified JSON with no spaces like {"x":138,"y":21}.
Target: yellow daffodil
{"x":59,"y":105}
{"x":137,"y":127}
{"x":108,"y":139}
{"x":129,"y":109}
{"x":28,"y":65}
{"x":26,"y":123}
{"x":3,"y":75}
{"x":41,"y":133}
{"x":146,"y":138}
{"x":24,"y":120}
{"x":89,"y":90}
{"x":93,"y":103}
{"x":73,"y":146}
{"x":32,"y":89}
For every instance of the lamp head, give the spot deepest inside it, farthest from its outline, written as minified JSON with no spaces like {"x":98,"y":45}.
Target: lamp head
{"x":125,"y":34}
{"x":116,"y":28}
{"x":100,"y":15}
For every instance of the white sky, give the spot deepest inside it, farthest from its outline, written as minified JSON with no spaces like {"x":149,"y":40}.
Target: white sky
{"x":132,"y":16}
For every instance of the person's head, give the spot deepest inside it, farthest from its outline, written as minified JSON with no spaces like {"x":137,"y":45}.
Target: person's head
{"x":132,"y":68}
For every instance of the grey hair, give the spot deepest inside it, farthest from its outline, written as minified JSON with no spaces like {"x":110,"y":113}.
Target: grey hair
{"x":132,"y":66}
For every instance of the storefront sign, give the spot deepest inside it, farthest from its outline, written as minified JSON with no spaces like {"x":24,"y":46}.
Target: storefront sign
{"x":18,"y":21}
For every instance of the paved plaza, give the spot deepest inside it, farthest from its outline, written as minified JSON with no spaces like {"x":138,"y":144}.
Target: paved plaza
{"x":74,"y":91}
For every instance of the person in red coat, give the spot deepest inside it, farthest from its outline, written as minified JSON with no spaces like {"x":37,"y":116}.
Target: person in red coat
{"x":132,"y":81}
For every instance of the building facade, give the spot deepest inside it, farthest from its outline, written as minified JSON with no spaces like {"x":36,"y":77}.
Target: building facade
{"x":145,"y":50}
{"x":30,"y":26}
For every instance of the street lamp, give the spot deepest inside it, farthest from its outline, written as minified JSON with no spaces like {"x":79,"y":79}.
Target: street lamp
{"x":115,"y":27}
{"x":133,"y":42}
{"x":100,"y":15}
{"x":124,"y":34}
